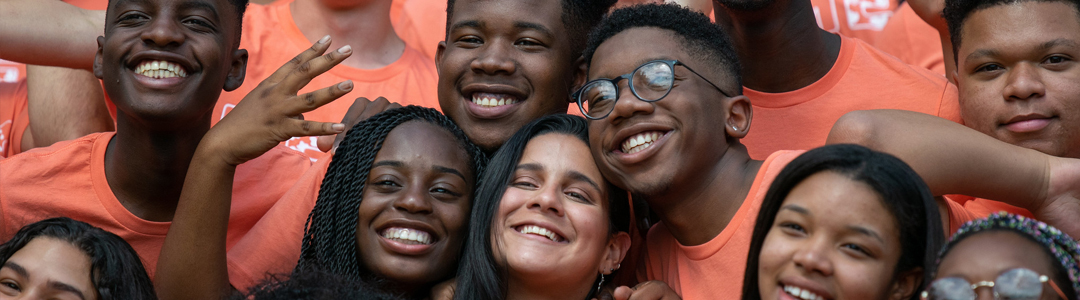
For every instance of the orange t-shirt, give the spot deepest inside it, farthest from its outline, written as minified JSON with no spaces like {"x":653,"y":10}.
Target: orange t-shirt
{"x":862,"y":78}
{"x":911,"y":40}
{"x":14,"y":118}
{"x":68,"y":179}
{"x":713,"y":270}
{"x":968,"y":208}
{"x":862,"y":19}
{"x":271,"y":37}
{"x":273,"y":244}
{"x":420,"y":23}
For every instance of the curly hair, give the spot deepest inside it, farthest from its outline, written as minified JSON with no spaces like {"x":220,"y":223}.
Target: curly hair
{"x":330,"y":233}
{"x":116,"y":271}
{"x":957,"y":11}
{"x":698,"y":36}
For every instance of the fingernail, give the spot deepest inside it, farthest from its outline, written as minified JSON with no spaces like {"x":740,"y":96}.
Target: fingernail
{"x":338,"y":127}
{"x":345,"y":86}
{"x":345,"y":50}
{"x":324,"y":39}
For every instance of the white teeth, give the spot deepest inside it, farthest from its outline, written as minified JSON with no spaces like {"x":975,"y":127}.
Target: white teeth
{"x":492,"y":100}
{"x":160,"y":69}
{"x":407,"y":236}
{"x":801,"y":293}
{"x":640,"y":141}
{"x":537,"y":230}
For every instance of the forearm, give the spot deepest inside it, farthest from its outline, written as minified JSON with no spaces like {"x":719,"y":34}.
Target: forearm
{"x":951,"y":158}
{"x":60,"y":112}
{"x":49,"y":32}
{"x":950,"y":59}
{"x":192,"y":264}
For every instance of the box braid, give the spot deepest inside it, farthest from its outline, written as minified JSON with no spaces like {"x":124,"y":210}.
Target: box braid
{"x":330,"y":234}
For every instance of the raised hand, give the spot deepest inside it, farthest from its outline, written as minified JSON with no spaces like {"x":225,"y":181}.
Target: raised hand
{"x":359,"y":111}
{"x":649,"y":290}
{"x":1061,"y":207}
{"x":930,"y":11}
{"x":272,"y":112}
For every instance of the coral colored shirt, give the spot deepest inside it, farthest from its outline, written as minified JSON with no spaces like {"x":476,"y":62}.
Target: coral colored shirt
{"x":272,"y":247}
{"x":966,"y":208}
{"x":862,"y":19}
{"x":713,"y":270}
{"x":271,"y":37}
{"x":68,"y":179}
{"x":911,"y":40}
{"x":862,"y":78}
{"x":420,"y":23}
{"x":14,"y":118}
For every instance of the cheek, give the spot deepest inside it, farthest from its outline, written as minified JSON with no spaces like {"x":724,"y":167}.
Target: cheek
{"x":863,"y":279}
{"x":979,"y":106}
{"x":455,"y":217}
{"x":776,"y":252}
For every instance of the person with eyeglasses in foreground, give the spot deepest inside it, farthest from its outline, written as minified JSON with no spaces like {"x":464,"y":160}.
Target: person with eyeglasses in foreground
{"x":1006,"y":256}
{"x":680,"y":152}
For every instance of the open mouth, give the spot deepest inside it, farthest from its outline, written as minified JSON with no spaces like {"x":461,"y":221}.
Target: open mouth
{"x":489,"y":100}
{"x":641,"y":141}
{"x":540,"y":231}
{"x":408,"y":236}
{"x":801,"y":293}
{"x":159,"y":69}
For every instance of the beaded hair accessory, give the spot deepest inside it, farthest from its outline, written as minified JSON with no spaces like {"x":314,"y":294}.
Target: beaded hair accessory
{"x":1064,"y":248}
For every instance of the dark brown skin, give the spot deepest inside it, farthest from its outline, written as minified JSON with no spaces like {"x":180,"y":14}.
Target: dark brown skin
{"x":780,"y":46}
{"x":158,"y":128}
{"x":61,"y":112}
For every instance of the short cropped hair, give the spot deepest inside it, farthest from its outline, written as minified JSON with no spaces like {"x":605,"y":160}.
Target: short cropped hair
{"x":698,"y":36}
{"x":957,"y":11}
{"x":578,"y":17}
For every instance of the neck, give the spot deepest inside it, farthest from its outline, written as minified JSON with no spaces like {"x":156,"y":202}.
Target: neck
{"x":531,"y":290}
{"x":696,"y":210}
{"x":145,"y":168}
{"x":365,"y":27}
{"x":780,"y":47}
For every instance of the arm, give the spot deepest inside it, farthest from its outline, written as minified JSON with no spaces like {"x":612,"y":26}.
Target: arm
{"x":60,"y":112}
{"x":954,"y":159}
{"x":49,"y":32}
{"x":192,"y":264}
{"x":930,"y":12}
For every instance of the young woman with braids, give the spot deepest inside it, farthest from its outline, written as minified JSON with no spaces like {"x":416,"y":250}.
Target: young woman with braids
{"x":393,"y":205}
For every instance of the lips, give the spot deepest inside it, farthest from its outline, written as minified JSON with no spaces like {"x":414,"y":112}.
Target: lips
{"x":540,"y":231}
{"x":408,"y":236}
{"x":489,"y":100}
{"x":801,"y":288}
{"x":801,"y":293}
{"x":492,"y":101}
{"x":160,"y":69}
{"x":641,"y":141}
{"x":1028,"y":123}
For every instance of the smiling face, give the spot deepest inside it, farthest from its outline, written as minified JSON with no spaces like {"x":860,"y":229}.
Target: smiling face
{"x":984,"y":256}
{"x":552,"y":228}
{"x":814,"y":251}
{"x":1018,"y":75}
{"x":504,"y":64}
{"x":166,"y":62}
{"x":416,"y":205}
{"x":47,"y":268}
{"x":647,"y":147}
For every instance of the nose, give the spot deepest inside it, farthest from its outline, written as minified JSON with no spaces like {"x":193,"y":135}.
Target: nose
{"x":1023,"y":83}
{"x":495,"y":58}
{"x":548,"y":200}
{"x":163,"y":32}
{"x":814,"y":258}
{"x":629,"y":105}
{"x":415,"y":200}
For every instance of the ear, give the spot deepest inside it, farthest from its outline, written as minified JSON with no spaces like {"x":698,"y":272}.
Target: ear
{"x":617,"y":247}
{"x":98,"y":72}
{"x":439,"y":56}
{"x":581,"y":74}
{"x":740,"y":113}
{"x":237,"y":70}
{"x":906,"y":284}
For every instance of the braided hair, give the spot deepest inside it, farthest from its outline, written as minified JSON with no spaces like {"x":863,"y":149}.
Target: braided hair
{"x":330,"y":233}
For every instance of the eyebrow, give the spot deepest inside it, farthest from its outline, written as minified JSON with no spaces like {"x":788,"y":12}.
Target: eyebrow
{"x":796,"y":208}
{"x":388,"y":163}
{"x":575,"y":175}
{"x":982,"y":53}
{"x":529,"y":167}
{"x":866,"y":231}
{"x":17,"y":268}
{"x":1057,"y":42}
{"x":199,"y":5}
{"x":451,"y":171}
{"x":467,"y":23}
{"x":56,"y":285}
{"x":534,"y":26}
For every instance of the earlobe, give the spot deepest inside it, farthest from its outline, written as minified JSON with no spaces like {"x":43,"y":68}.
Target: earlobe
{"x":907,"y":284}
{"x":618,"y":245}
{"x":237,"y":71}
{"x":98,"y":72}
{"x":740,"y":114}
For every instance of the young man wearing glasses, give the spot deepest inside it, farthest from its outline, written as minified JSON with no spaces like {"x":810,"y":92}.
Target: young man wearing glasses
{"x":668,"y":129}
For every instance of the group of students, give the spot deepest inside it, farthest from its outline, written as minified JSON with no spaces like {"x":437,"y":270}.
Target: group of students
{"x":654,"y":187}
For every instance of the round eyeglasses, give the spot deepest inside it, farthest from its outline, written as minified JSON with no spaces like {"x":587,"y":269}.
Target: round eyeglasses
{"x":650,"y":82}
{"x":1014,"y":284}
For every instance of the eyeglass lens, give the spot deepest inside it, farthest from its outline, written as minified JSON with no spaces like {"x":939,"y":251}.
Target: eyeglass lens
{"x":649,"y":82}
{"x":1015,"y":284}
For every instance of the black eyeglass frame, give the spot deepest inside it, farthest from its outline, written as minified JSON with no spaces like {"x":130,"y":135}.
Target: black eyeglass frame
{"x":629,"y":77}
